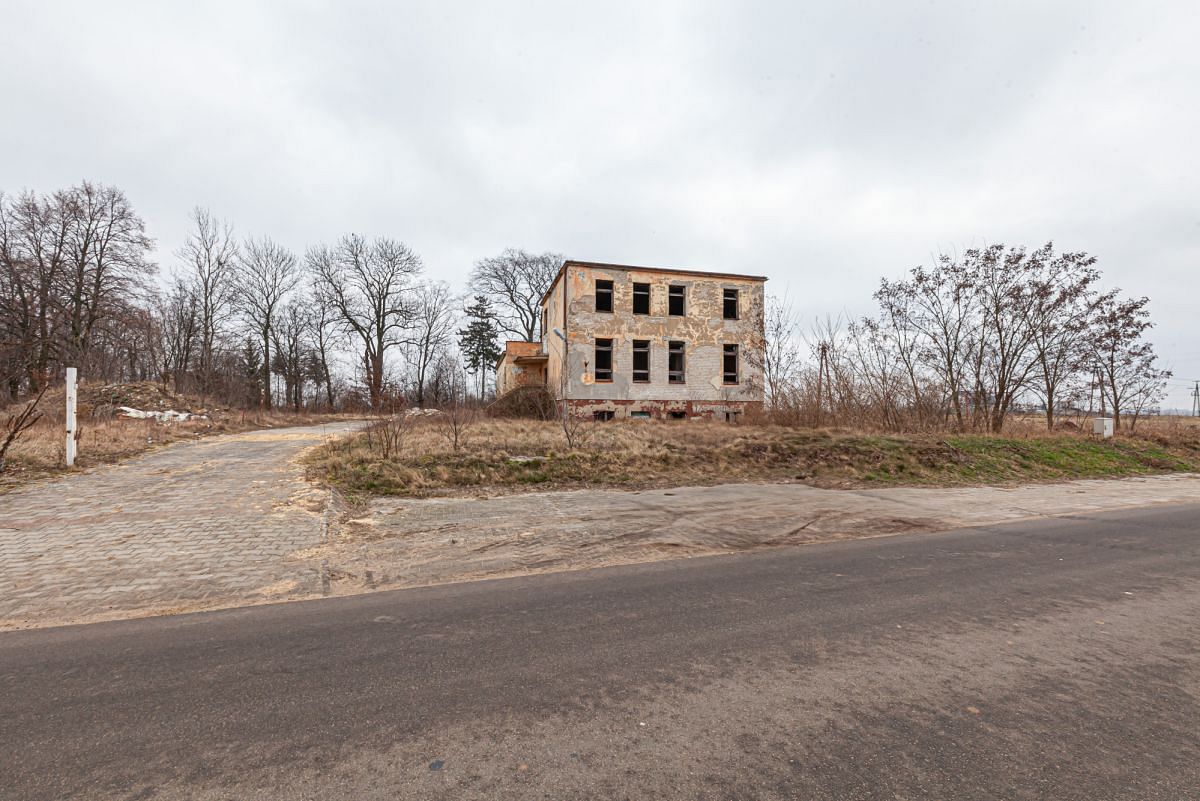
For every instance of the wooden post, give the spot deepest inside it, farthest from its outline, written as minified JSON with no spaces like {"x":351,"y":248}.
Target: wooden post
{"x":71,"y":399}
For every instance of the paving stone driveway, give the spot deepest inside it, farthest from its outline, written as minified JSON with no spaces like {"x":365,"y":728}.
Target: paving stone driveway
{"x":219,"y":518}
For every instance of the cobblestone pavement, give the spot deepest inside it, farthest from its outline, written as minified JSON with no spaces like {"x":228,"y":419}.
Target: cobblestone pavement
{"x":217,"y":521}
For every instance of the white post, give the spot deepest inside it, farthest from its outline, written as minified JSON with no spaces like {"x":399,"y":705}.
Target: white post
{"x":71,"y":372}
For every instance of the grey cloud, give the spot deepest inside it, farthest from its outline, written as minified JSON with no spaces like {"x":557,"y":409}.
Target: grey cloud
{"x":825,"y":144}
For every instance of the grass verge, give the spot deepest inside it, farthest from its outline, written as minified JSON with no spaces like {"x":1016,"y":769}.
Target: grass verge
{"x":515,"y":456}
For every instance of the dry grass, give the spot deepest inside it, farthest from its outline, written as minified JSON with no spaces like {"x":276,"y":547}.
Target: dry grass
{"x":105,"y":437}
{"x":513,"y":456}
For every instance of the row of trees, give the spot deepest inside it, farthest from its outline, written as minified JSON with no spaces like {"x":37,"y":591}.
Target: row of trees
{"x":960,"y":343}
{"x":73,"y":266}
{"x":965,"y":342}
{"x":240,"y":320}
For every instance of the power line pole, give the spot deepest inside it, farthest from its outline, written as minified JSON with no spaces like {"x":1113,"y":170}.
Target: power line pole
{"x":1196,"y":400}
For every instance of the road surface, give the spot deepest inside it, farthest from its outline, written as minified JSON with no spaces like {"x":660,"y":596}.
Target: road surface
{"x":1042,"y":660}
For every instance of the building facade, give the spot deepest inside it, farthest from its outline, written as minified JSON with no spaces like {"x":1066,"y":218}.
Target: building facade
{"x":623,"y":341}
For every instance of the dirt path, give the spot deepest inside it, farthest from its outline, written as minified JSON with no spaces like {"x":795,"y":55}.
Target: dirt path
{"x":212,"y":522}
{"x":402,"y":543}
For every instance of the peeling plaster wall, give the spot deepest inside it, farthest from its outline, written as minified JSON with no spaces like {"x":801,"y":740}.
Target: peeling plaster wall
{"x":553,"y":345}
{"x":702,"y":328}
{"x":510,"y":376}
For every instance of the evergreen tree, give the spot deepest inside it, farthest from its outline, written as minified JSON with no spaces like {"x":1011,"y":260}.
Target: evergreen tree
{"x":252,"y":372}
{"x":478,"y":340}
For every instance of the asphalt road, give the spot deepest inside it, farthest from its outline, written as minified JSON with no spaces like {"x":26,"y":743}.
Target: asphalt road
{"x":1049,"y":660}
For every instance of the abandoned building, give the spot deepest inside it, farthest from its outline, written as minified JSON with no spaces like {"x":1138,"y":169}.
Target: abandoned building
{"x":622,"y":341}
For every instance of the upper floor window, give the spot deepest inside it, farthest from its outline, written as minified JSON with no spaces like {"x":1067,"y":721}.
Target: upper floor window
{"x":730,"y":363}
{"x":731,"y":304}
{"x":676,"y":300}
{"x":641,"y":298}
{"x":604,"y":353}
{"x":641,"y":360}
{"x":604,"y":293}
{"x":675,"y":363}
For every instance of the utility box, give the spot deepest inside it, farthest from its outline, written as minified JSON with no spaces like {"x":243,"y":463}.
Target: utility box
{"x":1102,"y":427}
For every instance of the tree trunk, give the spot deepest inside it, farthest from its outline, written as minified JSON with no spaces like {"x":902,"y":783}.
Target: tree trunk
{"x":266,"y":396}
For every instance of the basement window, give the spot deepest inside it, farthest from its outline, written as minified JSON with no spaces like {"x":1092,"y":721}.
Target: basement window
{"x":604,"y":293}
{"x":676,"y":300}
{"x":604,"y":355}
{"x":641,"y":361}
{"x":641,"y":298}
{"x":602,"y":416}
{"x":730,"y":364}
{"x":675,"y":363}
{"x":731,"y":304}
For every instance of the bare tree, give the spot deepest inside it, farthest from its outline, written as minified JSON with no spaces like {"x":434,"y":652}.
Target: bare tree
{"x":1061,"y":302}
{"x":369,"y":286}
{"x":938,"y":307}
{"x":517,"y":280}
{"x":34,"y":245}
{"x":266,"y":273}
{"x":1125,"y":362}
{"x":459,"y":410}
{"x":783,"y":354}
{"x":325,"y":338}
{"x":432,"y":330}
{"x":989,"y":324}
{"x":18,"y":423}
{"x":290,"y":333}
{"x":178,"y":313}
{"x":73,"y":267}
{"x":209,"y":255}
{"x":107,"y":262}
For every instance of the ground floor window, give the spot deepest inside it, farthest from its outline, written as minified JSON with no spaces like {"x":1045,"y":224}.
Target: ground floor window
{"x":678,"y":415}
{"x":730,"y":364}
{"x":640,"y":415}
{"x":602,"y":416}
{"x":641,"y":361}
{"x":604,"y":348}
{"x":675,"y":363}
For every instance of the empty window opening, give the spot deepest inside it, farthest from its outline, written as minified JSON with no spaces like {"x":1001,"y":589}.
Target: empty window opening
{"x":678,"y":415}
{"x":602,"y":416}
{"x":730,"y":364}
{"x":641,"y":360}
{"x":604,"y":293}
{"x":731,"y":304}
{"x":676,"y":300}
{"x":641,"y":298}
{"x":604,"y":359}
{"x":676,"y":363}
{"x":732,"y":417}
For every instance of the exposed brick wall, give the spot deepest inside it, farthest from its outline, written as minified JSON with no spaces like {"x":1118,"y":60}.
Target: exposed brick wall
{"x":661,"y":408}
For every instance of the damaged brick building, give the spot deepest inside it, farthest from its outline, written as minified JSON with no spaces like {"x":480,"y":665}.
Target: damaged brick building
{"x":624,"y":341}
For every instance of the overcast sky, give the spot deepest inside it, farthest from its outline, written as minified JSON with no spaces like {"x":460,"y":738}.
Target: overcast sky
{"x":823,"y":145}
